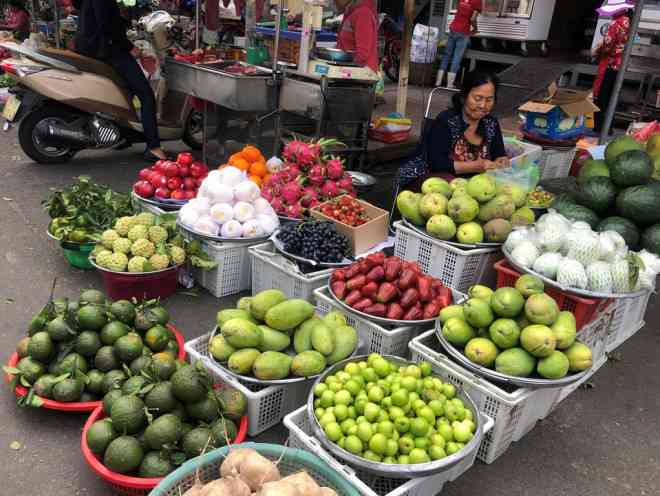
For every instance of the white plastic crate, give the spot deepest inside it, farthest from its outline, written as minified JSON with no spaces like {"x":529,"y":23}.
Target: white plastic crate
{"x":628,"y":318}
{"x":556,"y":163}
{"x":300,"y":436}
{"x":270,"y":270}
{"x":233,"y":273}
{"x":532,"y":152}
{"x":267,"y":405}
{"x":374,"y":338}
{"x":455,"y":267}
{"x":514,"y":410}
{"x":595,"y":334}
{"x":570,"y":389}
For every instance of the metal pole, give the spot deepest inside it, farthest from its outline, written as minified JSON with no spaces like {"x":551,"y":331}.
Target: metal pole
{"x":197,"y":14}
{"x":278,"y":29}
{"x":56,"y":11}
{"x":614,"y":99}
{"x":404,"y":69}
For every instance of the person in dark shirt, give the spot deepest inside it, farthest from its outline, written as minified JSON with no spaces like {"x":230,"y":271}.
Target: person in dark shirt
{"x":467,"y":139}
{"x":102,"y":35}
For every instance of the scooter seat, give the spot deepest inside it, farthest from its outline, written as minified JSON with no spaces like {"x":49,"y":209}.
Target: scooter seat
{"x":85,"y":64}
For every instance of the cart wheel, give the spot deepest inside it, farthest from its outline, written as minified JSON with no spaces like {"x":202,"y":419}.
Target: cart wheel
{"x":545,"y":49}
{"x":524,"y":51}
{"x":485,"y":44}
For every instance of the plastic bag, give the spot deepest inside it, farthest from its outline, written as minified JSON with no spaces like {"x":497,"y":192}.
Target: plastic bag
{"x":525,"y":177}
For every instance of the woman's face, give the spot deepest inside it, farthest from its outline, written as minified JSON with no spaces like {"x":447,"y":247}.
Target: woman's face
{"x":480,"y":101}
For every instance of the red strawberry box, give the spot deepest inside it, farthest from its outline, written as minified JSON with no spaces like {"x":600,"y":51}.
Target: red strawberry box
{"x":364,"y":237}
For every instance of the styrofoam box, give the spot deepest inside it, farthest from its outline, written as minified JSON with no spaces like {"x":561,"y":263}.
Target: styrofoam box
{"x":455,"y":267}
{"x":514,"y":410}
{"x":267,"y":405}
{"x":628,"y":318}
{"x":300,"y":436}
{"x":271,"y":270}
{"x":233,"y":273}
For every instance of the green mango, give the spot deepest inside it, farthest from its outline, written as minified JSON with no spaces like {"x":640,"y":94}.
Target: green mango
{"x":274,"y":340}
{"x":308,"y":363}
{"x":288,"y":315}
{"x":272,"y":365}
{"x":264,"y":301}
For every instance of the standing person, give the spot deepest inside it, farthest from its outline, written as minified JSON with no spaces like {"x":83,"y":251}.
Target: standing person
{"x":17,"y":19}
{"x":102,"y":35}
{"x":462,"y":27}
{"x":610,"y":52}
{"x":358,"y":31}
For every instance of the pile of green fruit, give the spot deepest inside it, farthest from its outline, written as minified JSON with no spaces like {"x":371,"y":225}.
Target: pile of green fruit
{"x":470,"y":211}
{"x":79,"y":349}
{"x":151,"y":427}
{"x":384,"y":413}
{"x":146,"y":243}
{"x":620,"y":193}
{"x":518,"y":331}
{"x":83,"y":210}
{"x":272,"y":337}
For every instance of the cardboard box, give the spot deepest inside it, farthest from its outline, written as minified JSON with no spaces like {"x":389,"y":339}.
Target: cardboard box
{"x":361,"y":238}
{"x":560,"y":114}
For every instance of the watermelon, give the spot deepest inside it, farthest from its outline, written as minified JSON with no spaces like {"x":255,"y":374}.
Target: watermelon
{"x":619,"y":145}
{"x":651,"y":239}
{"x":580,"y":213}
{"x":593,"y":168}
{"x":597,"y":193}
{"x":640,"y":204}
{"x":631,"y":168}
{"x":624,"y":227}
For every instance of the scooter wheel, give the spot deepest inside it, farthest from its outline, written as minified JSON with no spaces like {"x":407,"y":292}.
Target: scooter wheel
{"x":30,"y":143}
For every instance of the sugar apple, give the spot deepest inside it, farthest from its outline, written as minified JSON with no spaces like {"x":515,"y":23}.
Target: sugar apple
{"x":138,"y":232}
{"x":178,"y":255}
{"x":122,"y":245}
{"x":159,"y":262}
{"x":117,"y":262}
{"x":143,"y":248}
{"x":124,"y":224}
{"x":145,"y":219}
{"x":103,"y":258}
{"x":108,"y":237}
{"x":137,"y":264}
{"x":157,"y":235}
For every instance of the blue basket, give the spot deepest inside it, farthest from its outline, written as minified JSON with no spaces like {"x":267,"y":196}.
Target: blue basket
{"x":553,"y":120}
{"x":292,"y":460}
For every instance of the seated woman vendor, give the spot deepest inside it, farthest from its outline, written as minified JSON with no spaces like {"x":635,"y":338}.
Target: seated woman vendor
{"x":467,"y":139}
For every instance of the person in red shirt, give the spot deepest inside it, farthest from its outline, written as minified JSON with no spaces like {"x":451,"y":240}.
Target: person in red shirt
{"x":463,"y":26}
{"x":17,"y":20}
{"x":359,"y":31}
{"x":610,"y":52}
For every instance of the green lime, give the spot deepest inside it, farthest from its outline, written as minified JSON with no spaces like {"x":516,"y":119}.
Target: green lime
{"x":406,"y":445}
{"x":378,"y":444}
{"x":437,"y":452}
{"x":333,"y":431}
{"x":419,"y":456}
{"x":354,"y":445}
{"x":419,"y":427}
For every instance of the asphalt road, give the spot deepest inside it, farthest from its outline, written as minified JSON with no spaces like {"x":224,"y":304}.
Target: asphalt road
{"x":602,"y":440}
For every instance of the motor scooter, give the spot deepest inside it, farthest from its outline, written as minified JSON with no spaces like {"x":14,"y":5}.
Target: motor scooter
{"x":65,"y":102}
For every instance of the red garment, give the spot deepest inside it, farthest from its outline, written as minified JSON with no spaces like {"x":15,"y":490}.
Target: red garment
{"x":615,"y":41}
{"x":17,"y":19}
{"x":600,"y":75}
{"x":462,"y":23}
{"x":359,"y":33}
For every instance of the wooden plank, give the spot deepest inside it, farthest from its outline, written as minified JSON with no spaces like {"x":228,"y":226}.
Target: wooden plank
{"x":404,"y":69}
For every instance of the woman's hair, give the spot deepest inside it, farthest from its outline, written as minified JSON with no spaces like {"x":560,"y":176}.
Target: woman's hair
{"x":473,"y":80}
{"x":18,"y":4}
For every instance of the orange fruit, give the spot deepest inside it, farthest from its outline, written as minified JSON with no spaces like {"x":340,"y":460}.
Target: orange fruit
{"x":265,"y":179}
{"x":251,"y":154}
{"x":256,"y":180}
{"x":239,"y":163}
{"x":258,"y":169}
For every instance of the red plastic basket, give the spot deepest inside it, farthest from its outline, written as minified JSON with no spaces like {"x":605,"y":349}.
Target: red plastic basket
{"x":586,"y":310}
{"x":142,"y":286}
{"x":126,"y":485}
{"x":81,"y":406}
{"x":389,"y":138}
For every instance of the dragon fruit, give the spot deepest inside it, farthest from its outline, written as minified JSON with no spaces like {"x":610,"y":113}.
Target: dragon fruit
{"x":291,"y":192}
{"x":294,"y":211}
{"x":346,"y":184}
{"x":329,"y":189}
{"x":335,"y":169}
{"x":304,"y":154}
{"x":317,"y":175}
{"x":310,"y":195}
{"x":277,"y":205}
{"x":571,"y":273}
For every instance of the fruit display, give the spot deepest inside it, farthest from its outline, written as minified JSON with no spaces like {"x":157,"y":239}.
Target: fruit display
{"x":469,"y":211}
{"x":620,"y":193}
{"x":146,"y":243}
{"x":346,"y":210}
{"x":252,"y":162}
{"x":390,"y":288}
{"x":314,"y":240}
{"x":167,"y":180}
{"x":245,"y":472}
{"x":306,"y":179}
{"x":153,"y":424}
{"x":229,"y":205}
{"x":539,"y":198}
{"x":575,"y":256}
{"x":519,"y":331}
{"x":78,"y":349}
{"x":386,"y":413}
{"x":270,"y":337}
{"x":81,"y":211}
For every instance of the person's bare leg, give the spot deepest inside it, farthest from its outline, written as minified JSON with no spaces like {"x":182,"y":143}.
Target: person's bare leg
{"x":159,"y":153}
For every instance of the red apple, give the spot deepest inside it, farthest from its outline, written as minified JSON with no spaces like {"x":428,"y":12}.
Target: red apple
{"x":144,"y":174}
{"x":179,"y":194}
{"x":198,"y":169}
{"x":174,"y":183}
{"x":188,"y":183}
{"x":184,"y":159}
{"x":143,"y":189}
{"x":184,"y":170}
{"x":190,"y":194}
{"x":171,"y":169}
{"x":162,"y":193}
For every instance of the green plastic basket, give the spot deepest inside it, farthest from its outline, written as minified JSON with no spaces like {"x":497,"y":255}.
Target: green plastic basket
{"x":78,"y":254}
{"x":294,"y":460}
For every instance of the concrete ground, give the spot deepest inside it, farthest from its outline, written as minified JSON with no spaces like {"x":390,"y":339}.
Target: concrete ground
{"x":602,"y":440}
